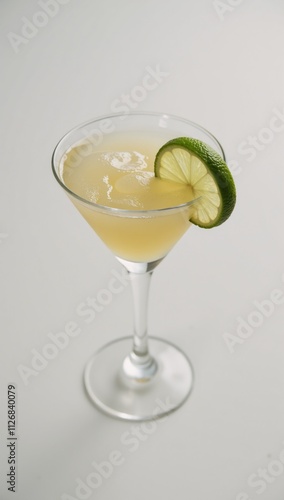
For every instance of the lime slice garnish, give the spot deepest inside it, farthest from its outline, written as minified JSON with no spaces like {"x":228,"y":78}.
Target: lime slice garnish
{"x":190,"y":161}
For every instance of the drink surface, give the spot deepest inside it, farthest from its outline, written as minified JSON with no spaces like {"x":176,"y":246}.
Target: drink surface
{"x":120,"y":174}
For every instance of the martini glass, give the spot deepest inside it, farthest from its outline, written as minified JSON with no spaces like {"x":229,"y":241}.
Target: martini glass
{"x":135,"y":377}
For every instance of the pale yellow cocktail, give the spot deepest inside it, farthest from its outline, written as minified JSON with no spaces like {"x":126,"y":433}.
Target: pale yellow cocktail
{"x":120,"y":176}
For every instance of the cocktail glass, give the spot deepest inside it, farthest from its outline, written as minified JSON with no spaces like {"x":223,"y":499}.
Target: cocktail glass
{"x":135,"y":377}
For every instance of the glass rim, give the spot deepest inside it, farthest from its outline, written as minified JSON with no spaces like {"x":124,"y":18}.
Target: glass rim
{"x":124,"y":211}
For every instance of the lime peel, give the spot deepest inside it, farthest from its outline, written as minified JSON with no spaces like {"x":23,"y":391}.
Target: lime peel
{"x":190,"y":161}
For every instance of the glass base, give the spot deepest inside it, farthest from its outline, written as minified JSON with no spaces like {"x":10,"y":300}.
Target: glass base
{"x":131,"y":398}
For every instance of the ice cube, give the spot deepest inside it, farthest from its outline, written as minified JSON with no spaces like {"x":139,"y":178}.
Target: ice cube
{"x":125,"y":160}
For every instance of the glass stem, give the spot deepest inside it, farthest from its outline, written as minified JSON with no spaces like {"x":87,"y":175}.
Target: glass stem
{"x":140,"y":289}
{"x":140,"y":365}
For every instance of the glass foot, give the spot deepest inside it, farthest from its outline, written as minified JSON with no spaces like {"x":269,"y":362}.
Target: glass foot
{"x":167,"y":385}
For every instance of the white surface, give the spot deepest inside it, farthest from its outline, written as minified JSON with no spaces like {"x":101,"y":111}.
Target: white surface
{"x":228,"y":76}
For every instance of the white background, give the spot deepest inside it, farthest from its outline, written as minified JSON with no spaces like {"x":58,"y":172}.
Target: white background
{"x":224,"y":66}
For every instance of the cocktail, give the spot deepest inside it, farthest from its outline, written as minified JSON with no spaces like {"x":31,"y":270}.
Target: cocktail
{"x":140,"y":203}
